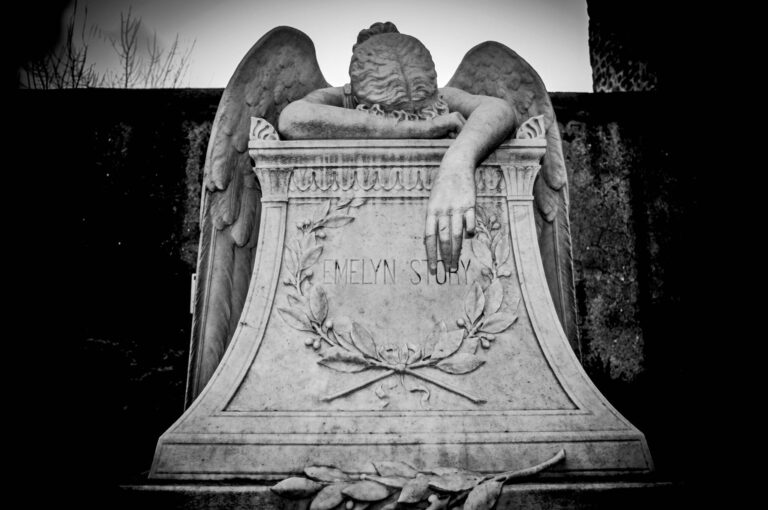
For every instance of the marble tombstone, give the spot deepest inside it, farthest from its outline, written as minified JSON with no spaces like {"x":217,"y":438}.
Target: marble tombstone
{"x":326,"y":335}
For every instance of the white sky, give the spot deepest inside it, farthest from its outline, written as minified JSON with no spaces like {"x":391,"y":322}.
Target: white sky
{"x":550,"y":34}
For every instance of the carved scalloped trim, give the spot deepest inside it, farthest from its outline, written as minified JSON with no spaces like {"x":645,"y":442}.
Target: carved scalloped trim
{"x":531,"y":128}
{"x":262,"y":130}
{"x":388,"y":179}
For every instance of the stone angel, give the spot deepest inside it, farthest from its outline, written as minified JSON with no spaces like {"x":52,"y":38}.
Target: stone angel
{"x":392,"y":93}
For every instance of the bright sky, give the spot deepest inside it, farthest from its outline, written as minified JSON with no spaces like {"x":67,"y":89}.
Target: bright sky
{"x":550,"y":34}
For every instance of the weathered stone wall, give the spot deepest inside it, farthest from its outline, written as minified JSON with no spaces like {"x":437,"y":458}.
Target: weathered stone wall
{"x":134,"y":159}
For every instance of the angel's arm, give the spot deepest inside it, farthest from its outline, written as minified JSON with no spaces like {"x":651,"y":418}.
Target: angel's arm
{"x":321,"y":115}
{"x":451,"y":208}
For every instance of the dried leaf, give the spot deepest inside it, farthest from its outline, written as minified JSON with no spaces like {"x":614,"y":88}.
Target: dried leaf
{"x":318,"y":303}
{"x":337,"y":221}
{"x":481,"y":251}
{"x":326,"y":474}
{"x":502,"y":251}
{"x":455,"y":482}
{"x":329,"y":497}
{"x":357,"y":202}
{"x":311,"y":256}
{"x":494,"y":295}
{"x":484,"y":496}
{"x":296,"y":488}
{"x":448,"y":344}
{"x":363,"y":340}
{"x":434,"y":336}
{"x":474,"y":302}
{"x":322,"y":211}
{"x":395,"y":468}
{"x":415,"y":490}
{"x":343,"y":361}
{"x":295,"y":318}
{"x":498,"y":322}
{"x":366,"y":491}
{"x":461,"y":363}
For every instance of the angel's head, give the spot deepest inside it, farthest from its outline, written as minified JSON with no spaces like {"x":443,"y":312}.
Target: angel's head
{"x":393,"y":74}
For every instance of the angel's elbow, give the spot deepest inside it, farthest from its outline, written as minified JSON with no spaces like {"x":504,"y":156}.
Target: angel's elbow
{"x":290,"y":121}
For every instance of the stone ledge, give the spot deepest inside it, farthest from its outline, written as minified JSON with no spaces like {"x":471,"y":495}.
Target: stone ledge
{"x":599,"y":495}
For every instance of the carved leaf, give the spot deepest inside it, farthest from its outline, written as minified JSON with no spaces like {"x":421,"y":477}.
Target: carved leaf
{"x":296,"y":488}
{"x":481,"y":251}
{"x":366,"y":491}
{"x":494,"y":295}
{"x":439,"y":503}
{"x":337,"y":221}
{"x":474,"y":302}
{"x":505,"y":270}
{"x":434,"y":337}
{"x":311,"y":256}
{"x":343,"y":361}
{"x":318,"y":303}
{"x":290,"y":260}
{"x":322,"y":211}
{"x":502,"y":251}
{"x":498,"y":322}
{"x":448,"y":344}
{"x":295,"y":318}
{"x":326,"y":474}
{"x":357,"y":202}
{"x":484,"y":496}
{"x":294,"y":300}
{"x":415,"y":490}
{"x":344,"y":202}
{"x":329,"y":497}
{"x":455,"y":482}
{"x":394,"y":482}
{"x":395,"y":468}
{"x":462,"y":363}
{"x":363,"y":340}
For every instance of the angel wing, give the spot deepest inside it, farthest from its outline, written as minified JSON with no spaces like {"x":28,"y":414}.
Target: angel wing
{"x":493,"y":69}
{"x":281,"y":67}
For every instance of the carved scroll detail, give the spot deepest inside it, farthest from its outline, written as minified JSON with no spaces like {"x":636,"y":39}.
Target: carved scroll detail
{"x":397,"y":483}
{"x":348,"y":347}
{"x":262,"y":130}
{"x":532,"y":128}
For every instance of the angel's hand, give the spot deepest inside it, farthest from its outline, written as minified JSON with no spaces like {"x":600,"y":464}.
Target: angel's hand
{"x":447,"y":125}
{"x":450,"y":212}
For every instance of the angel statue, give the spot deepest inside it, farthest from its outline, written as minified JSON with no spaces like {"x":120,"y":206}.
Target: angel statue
{"x":392,"y":93}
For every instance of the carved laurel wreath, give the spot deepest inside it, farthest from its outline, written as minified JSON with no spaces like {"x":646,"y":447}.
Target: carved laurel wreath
{"x":398,"y":483}
{"x":345,"y":345}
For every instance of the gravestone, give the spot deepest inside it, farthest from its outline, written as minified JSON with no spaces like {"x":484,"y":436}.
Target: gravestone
{"x":334,"y":340}
{"x":349,"y":351}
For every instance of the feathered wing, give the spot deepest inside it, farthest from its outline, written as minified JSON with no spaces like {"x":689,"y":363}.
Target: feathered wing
{"x":492,"y":69}
{"x":281,"y":67}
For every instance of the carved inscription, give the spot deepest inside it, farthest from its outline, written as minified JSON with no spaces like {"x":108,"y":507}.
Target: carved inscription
{"x":388,"y":271}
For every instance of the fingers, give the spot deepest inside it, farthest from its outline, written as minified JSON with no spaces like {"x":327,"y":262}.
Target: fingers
{"x":457,"y":231}
{"x":444,"y":235}
{"x":430,"y":242}
{"x":469,"y":221}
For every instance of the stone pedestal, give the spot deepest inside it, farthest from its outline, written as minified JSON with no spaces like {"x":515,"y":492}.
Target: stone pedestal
{"x":349,"y":351}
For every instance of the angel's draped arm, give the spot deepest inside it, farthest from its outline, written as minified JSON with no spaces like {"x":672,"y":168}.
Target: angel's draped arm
{"x":321,"y":114}
{"x":451,"y":208}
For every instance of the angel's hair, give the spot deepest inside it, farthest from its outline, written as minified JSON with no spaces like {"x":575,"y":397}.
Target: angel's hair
{"x":393,"y":71}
